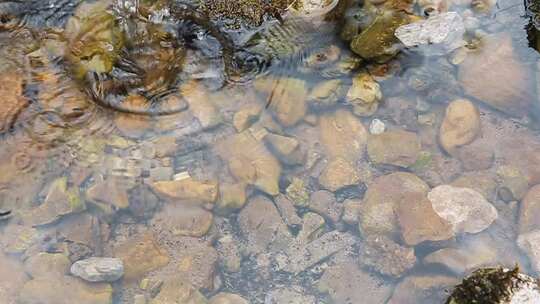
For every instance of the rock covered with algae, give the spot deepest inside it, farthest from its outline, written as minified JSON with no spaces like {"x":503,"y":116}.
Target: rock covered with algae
{"x":496,"y":286}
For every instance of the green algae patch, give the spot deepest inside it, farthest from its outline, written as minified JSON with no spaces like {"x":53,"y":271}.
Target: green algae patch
{"x":486,"y":286}
{"x":251,"y":12}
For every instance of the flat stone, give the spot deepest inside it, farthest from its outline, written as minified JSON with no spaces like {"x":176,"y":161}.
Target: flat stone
{"x":59,"y":202}
{"x":263,"y":233}
{"x":480,"y":79}
{"x":98,"y":269}
{"x":443,"y":33}
{"x":302,"y":256}
{"x":346,"y":283}
{"x":342,"y":135}
{"x":188,"y":189}
{"x":183,"y":220}
{"x":465,"y":209}
{"x":399,"y":148}
{"x":140,"y":256}
{"x":340,"y":173}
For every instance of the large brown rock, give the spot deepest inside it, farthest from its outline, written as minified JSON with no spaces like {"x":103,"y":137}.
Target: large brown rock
{"x":494,"y":75}
{"x":342,"y":135}
{"x":384,"y":194}
{"x":419,"y":222}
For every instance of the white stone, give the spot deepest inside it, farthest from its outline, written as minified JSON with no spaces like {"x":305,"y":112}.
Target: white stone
{"x":98,"y":269}
{"x":377,"y":127}
{"x":465,"y":209}
{"x":440,"y":33}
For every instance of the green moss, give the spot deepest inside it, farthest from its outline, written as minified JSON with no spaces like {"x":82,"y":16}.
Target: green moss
{"x":251,"y":12}
{"x":486,"y":286}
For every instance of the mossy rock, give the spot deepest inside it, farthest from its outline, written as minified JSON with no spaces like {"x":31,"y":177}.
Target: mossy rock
{"x":377,"y":41}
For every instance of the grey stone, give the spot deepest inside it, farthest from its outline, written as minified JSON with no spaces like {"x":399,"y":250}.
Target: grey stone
{"x":302,"y":256}
{"x":98,"y":269}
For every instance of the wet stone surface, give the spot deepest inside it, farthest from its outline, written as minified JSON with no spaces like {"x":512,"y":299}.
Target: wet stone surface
{"x":158,"y":152}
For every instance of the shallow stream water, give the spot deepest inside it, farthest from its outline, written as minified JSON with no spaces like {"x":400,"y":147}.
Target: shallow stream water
{"x":311,"y":176}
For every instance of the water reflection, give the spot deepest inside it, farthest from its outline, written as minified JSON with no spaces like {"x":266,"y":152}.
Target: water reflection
{"x":310,"y":176}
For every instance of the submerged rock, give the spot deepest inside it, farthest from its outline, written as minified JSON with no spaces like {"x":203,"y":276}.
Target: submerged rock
{"x":420,"y":289}
{"x":377,"y":41}
{"x":343,"y":135}
{"x":461,"y":125}
{"x":529,"y":211}
{"x":98,"y":269}
{"x":263,"y":233}
{"x":346,"y":283}
{"x":399,"y":148}
{"x":386,"y":256}
{"x":439,"y":34}
{"x":465,"y":209}
{"x":384,"y":195}
{"x":59,"y":202}
{"x":188,"y":189}
{"x":419,"y":222}
{"x":364,"y":95}
{"x":495,"y":63}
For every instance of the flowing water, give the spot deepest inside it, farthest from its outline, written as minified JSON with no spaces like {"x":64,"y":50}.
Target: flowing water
{"x":263,"y":164}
